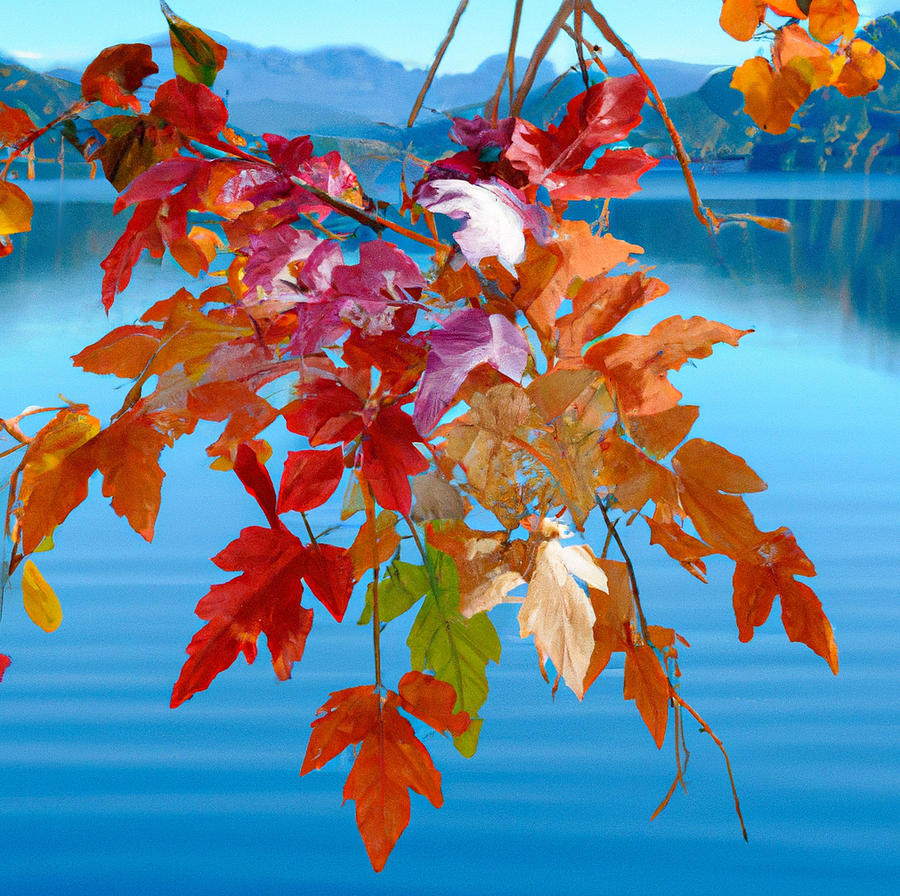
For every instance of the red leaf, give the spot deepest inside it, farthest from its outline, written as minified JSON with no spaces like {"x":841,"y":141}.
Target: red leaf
{"x":264,"y":598}
{"x":191,"y":108}
{"x":432,"y":700}
{"x":309,"y":479}
{"x":389,"y":458}
{"x":14,"y":125}
{"x":256,"y":479}
{"x":116,"y":73}
{"x":602,"y":115}
{"x":328,"y":570}
{"x":4,"y":664}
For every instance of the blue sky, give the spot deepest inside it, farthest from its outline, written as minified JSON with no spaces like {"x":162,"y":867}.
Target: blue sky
{"x":44,"y":33}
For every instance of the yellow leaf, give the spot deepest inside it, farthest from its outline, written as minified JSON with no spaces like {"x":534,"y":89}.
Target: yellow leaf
{"x":41,"y":603}
{"x":16,"y":209}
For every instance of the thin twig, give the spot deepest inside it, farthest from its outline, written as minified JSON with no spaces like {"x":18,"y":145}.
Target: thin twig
{"x":437,"y":61}
{"x":642,"y":620}
{"x":720,"y":745}
{"x":537,"y":57}
{"x":703,"y":214}
{"x":509,"y":70}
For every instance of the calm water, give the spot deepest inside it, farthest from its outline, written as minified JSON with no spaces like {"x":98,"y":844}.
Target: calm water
{"x":103,"y":789}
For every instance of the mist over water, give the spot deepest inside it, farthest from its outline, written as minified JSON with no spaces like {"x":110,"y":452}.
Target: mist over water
{"x":104,"y":789}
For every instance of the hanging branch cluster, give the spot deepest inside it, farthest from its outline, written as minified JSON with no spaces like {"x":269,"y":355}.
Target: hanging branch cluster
{"x":476,"y":401}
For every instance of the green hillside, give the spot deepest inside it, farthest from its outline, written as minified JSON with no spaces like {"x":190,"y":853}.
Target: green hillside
{"x":830,"y":132}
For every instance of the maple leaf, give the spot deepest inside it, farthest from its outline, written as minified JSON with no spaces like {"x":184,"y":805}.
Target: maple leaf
{"x":55,"y":475}
{"x":456,"y":649}
{"x":603,"y":114}
{"x":768,"y":571}
{"x":265,"y":598}
{"x":114,"y":76}
{"x":466,"y":339}
{"x":558,"y":611}
{"x":390,"y":760}
{"x":637,"y":367}
{"x":127,"y":454}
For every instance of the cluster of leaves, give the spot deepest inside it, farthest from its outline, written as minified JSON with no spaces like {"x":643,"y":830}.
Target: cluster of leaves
{"x":478,"y":403}
{"x":825,"y":53}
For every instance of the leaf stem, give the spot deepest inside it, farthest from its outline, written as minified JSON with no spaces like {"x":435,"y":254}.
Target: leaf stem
{"x":612,"y":530}
{"x":720,"y":745}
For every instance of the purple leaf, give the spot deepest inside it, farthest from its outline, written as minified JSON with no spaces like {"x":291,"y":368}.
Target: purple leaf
{"x":468,"y":338}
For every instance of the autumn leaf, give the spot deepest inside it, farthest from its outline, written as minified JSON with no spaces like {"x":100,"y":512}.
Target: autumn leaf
{"x":864,"y":68}
{"x":197,"y":57}
{"x":772,"y":96}
{"x":114,"y":76}
{"x":602,"y":115}
{"x":55,"y":476}
{"x":769,"y":570}
{"x":637,"y":366}
{"x":15,"y":124}
{"x":456,"y":649}
{"x":647,"y":685}
{"x":4,"y":664}
{"x":390,"y":759}
{"x":557,"y":610}
{"x":466,"y":339}
{"x":265,"y":599}
{"x":16,"y":209}
{"x":41,"y":602}
{"x":832,"y":19}
{"x":310,"y":478}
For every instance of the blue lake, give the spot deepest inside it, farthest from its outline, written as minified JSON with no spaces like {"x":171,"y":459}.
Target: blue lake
{"x":104,"y":789}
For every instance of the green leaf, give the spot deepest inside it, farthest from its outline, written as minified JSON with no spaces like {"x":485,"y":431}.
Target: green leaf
{"x":197,"y":57}
{"x":455,"y":649}
{"x":404,"y":584}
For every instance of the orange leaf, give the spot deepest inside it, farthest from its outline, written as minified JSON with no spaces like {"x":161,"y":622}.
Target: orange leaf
{"x":432,"y":700}
{"x":374,"y":545}
{"x":647,"y":685}
{"x":714,"y":467}
{"x":127,"y":454}
{"x":16,"y":209}
{"x":55,"y":475}
{"x":680,"y":546}
{"x":792,"y":42}
{"x":832,"y":19}
{"x":390,"y":761}
{"x":637,"y":366}
{"x":864,"y":68}
{"x":740,"y":18}
{"x":771,"y":97}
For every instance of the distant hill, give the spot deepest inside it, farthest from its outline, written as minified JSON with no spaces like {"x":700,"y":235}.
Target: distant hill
{"x":830,"y":132}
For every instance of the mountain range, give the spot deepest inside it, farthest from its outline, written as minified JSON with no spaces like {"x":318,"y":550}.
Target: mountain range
{"x":354,"y":100}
